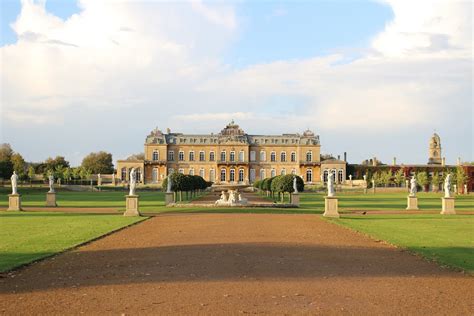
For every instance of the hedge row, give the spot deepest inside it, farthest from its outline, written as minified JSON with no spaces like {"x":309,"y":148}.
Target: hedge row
{"x":280,"y":184}
{"x":185,"y":183}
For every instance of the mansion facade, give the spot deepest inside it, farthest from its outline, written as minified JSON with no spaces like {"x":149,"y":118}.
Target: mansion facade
{"x":232,"y":156}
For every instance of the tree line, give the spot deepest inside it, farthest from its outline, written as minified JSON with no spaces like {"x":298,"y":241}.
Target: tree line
{"x":93,"y":163}
{"x":423,"y":178}
{"x":191,"y":185}
{"x":280,"y":185}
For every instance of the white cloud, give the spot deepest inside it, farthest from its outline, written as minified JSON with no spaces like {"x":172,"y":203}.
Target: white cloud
{"x":133,"y":65}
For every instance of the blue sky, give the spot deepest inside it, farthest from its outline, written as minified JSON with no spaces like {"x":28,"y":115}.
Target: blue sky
{"x":358,"y":73}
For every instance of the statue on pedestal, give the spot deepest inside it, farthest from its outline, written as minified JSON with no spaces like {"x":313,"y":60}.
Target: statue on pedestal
{"x":331,"y":191}
{"x":447,"y":186}
{"x":295,"y":186}
{"x":413,"y":186}
{"x":14,"y":179}
{"x":51,"y":183}
{"x":133,"y":181}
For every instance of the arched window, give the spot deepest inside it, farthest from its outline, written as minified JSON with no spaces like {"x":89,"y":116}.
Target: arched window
{"x":241,"y":175}
{"x":181,"y":171}
{"x":232,"y":156}
{"x":223,"y":156}
{"x":273,"y":173}
{"x":262,"y":174}
{"x":293,"y":156}
{"x":138,"y":175}
{"x":309,"y":175}
{"x":202,"y":156}
{"x":212,"y":156}
{"x":263,"y":156}
{"x":273,"y":156}
{"x":223,"y":175}
{"x":334,"y":174}
{"x":181,"y":156}
{"x":340,"y":176}
{"x":191,"y":156}
{"x":283,"y":156}
{"x":242,"y":156}
{"x":325,"y":175}
{"x":201,"y":173}
{"x":293,"y":172}
{"x":191,"y":172}
{"x":212,"y":175}
{"x":154,"y":175}
{"x":124,"y":174}
{"x":232,"y":175}
{"x":155,"y":155}
{"x":309,"y":156}
{"x":283,"y":172}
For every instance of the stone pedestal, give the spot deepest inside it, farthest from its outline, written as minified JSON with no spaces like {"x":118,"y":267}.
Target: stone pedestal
{"x":447,"y":206}
{"x":169,"y":198}
{"x":330,"y":207}
{"x":131,"y":206}
{"x":14,"y":202}
{"x":412,"y":203}
{"x":51,"y":199}
{"x":295,"y":199}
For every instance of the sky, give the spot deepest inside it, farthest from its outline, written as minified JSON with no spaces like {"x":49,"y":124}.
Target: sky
{"x":372,"y":78}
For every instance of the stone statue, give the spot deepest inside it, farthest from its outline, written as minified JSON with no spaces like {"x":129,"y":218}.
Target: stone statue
{"x":232,"y":197}
{"x":133,"y":181}
{"x":14,"y":179}
{"x":295,"y":186}
{"x":447,"y":186}
{"x":51,"y":183}
{"x":169,"y":184}
{"x":365,"y":177}
{"x":413,"y":186}
{"x":331,"y":184}
{"x":350,"y":177}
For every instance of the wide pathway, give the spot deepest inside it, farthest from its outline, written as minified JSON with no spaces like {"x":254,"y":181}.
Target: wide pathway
{"x":235,"y":264}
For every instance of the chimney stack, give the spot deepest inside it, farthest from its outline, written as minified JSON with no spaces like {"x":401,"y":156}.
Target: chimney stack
{"x":345,"y":157}
{"x":394,"y":161}
{"x":338,"y":157}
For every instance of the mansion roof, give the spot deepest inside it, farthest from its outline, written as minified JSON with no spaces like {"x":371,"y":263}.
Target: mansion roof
{"x":232,"y":133}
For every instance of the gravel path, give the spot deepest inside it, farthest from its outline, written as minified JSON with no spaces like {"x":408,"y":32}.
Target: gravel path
{"x":235,"y":264}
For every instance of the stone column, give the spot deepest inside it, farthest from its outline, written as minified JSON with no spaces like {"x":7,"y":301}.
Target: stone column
{"x":447,"y":206}
{"x":412,"y":203}
{"x":51,"y":199}
{"x":169,"y":198}
{"x":331,"y":207}
{"x":295,"y":199}
{"x":14,"y":202}
{"x":131,"y":206}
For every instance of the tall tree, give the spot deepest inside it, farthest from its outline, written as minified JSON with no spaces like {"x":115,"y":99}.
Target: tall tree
{"x":100,"y":162}
{"x":6,"y":165}
{"x":436,"y":181}
{"x":19,"y":165}
{"x":422,"y":179}
{"x":399,"y":177}
{"x":31,"y":173}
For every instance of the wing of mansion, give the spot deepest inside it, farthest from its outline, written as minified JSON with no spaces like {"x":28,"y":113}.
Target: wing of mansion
{"x":231,"y":156}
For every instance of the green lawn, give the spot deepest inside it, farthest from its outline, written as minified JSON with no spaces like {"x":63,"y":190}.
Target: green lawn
{"x":153,"y":201}
{"x":29,"y":236}
{"x":26,"y":237}
{"x":447,"y":239}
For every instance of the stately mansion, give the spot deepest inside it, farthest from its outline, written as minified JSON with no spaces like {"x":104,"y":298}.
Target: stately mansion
{"x":232,"y":156}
